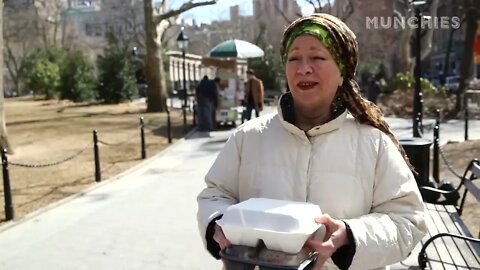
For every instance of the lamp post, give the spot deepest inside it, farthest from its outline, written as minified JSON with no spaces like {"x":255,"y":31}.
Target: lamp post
{"x":182,"y":42}
{"x":137,"y":58}
{"x":418,"y":96}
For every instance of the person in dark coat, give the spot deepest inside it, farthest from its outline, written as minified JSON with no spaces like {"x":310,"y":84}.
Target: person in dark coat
{"x":205,"y":95}
{"x":373,"y":89}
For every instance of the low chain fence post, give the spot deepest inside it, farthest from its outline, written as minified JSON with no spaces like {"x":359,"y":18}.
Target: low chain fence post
{"x":98,"y":173}
{"x":7,"y":191}
{"x":436,"y":146}
{"x":169,"y":127}
{"x":195,"y":113}
{"x":466,"y":121}
{"x":184,"y":109}
{"x":142,"y":137}
{"x":8,"y":202}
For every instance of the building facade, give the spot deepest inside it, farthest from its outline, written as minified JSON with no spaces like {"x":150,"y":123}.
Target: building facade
{"x":447,"y":43}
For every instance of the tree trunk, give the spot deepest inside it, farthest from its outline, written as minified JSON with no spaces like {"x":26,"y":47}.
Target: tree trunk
{"x":12,"y":66}
{"x":426,"y":40}
{"x":405,"y":47}
{"x":446,"y":64}
{"x":3,"y":128}
{"x":472,"y":15}
{"x":156,"y":91}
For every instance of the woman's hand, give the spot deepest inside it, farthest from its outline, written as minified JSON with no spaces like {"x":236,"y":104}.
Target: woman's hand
{"x":219,"y":237}
{"x":335,"y":237}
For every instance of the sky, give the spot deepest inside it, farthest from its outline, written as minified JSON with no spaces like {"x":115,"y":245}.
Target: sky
{"x":221,"y":10}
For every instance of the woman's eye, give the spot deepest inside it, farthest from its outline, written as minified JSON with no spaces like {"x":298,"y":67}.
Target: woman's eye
{"x":292,"y":59}
{"x":319,"y":58}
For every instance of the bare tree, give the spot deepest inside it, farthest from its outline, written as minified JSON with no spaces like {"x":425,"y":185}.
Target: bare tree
{"x":31,"y":26}
{"x":407,"y":34}
{"x":446,"y":63}
{"x":342,"y":9}
{"x":123,"y":18}
{"x":18,"y":38}
{"x":157,"y":21}
{"x":472,"y":15}
{"x":49,"y":21}
{"x":4,"y":143}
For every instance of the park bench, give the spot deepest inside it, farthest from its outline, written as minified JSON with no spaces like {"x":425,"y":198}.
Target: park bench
{"x":448,"y":243}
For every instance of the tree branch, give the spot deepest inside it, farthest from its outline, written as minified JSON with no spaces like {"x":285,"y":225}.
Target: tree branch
{"x":349,"y":11}
{"x":185,"y":7}
{"x":329,"y":4}
{"x":163,"y":36}
{"x":11,"y":63}
{"x":311,"y":3}
{"x":277,"y":8}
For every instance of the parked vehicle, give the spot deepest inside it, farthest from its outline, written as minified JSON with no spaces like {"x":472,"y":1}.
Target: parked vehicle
{"x":452,"y":83}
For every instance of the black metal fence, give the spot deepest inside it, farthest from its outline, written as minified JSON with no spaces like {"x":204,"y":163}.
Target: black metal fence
{"x":94,"y":145}
{"x":9,"y":209}
{"x":438,"y":154}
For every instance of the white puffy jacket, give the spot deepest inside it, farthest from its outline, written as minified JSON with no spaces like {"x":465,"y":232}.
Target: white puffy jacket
{"x":354,"y":172}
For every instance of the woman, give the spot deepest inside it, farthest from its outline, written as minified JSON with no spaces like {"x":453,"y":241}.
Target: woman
{"x":326,"y":145}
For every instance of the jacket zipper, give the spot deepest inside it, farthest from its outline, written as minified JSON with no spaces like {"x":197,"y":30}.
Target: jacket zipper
{"x":308,"y":167}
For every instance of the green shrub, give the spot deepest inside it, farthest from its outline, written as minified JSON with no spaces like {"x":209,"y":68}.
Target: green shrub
{"x":401,"y":81}
{"x":77,"y":78}
{"x":117,"y":81}
{"x":405,"y":81}
{"x":45,"y":78}
{"x":41,"y":71}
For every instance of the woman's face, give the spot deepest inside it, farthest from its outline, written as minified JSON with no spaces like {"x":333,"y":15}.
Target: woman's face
{"x":312,"y":73}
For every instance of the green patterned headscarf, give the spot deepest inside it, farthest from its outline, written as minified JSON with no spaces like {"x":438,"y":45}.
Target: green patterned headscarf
{"x":334,"y":35}
{"x":342,"y":44}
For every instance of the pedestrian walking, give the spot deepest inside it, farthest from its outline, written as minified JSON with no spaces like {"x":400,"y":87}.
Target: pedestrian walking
{"x":253,"y":96}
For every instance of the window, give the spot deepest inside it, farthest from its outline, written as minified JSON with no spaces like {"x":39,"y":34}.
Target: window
{"x":88,"y":29}
{"x":94,"y":30}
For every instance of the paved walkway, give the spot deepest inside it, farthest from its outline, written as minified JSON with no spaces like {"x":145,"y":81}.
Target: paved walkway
{"x":145,"y":219}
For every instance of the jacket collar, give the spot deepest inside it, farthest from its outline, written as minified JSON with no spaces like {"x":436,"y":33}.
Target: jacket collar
{"x":287,"y":118}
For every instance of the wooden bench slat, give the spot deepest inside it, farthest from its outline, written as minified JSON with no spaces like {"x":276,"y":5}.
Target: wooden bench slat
{"x":463,"y":230}
{"x":458,"y":253}
{"x":448,"y":252}
{"x":475,"y":169}
{"x":472,"y":175}
{"x":473,"y":189}
{"x":461,"y":249}
{"x":433,"y":253}
{"x":451,"y":255}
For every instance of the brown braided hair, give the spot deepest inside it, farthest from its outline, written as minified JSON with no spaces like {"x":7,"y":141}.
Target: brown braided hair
{"x":343,"y":45}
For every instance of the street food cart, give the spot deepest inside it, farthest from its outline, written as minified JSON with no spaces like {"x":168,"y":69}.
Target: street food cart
{"x":231,"y":89}
{"x":229,"y":59}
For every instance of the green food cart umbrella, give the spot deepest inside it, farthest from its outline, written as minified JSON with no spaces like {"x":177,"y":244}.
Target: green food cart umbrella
{"x":236,"y":48}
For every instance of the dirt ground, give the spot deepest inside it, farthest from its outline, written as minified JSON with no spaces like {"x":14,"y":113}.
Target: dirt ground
{"x":459,"y":154}
{"x":46,"y":132}
{"x":43,"y":132}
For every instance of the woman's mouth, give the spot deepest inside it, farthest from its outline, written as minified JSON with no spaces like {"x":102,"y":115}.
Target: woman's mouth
{"x":306,"y":85}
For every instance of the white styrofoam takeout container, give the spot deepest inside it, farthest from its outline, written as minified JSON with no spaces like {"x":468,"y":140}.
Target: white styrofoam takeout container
{"x":282,"y":225}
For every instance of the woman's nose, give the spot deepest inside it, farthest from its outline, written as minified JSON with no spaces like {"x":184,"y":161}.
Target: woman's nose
{"x":304,"y":67}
